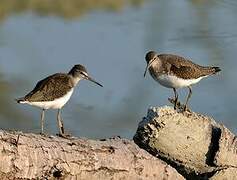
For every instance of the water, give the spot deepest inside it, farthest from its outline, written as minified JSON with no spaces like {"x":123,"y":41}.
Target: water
{"x":111,"y":38}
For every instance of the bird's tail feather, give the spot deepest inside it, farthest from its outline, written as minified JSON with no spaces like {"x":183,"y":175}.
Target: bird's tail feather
{"x":20,"y":100}
{"x":209,"y":70}
{"x":216,"y":69}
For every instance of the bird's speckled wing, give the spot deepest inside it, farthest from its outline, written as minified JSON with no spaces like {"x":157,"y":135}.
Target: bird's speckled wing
{"x":50,"y":88}
{"x":184,"y":68}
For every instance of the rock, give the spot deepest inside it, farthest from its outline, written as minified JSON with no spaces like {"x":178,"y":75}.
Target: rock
{"x":225,"y":174}
{"x":194,"y":144}
{"x":227,"y":149}
{"x":32,"y":156}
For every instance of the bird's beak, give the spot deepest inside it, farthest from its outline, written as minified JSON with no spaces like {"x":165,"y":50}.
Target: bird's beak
{"x":94,"y":81}
{"x":147,"y":66}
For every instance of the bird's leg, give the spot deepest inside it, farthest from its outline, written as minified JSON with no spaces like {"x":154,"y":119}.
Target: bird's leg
{"x":42,"y":121}
{"x":175,"y":102}
{"x":188,"y":97}
{"x":60,"y":123}
{"x":175,"y":98}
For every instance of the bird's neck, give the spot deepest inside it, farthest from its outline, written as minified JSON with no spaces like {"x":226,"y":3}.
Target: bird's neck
{"x":156,"y":65}
{"x":75,"y":79}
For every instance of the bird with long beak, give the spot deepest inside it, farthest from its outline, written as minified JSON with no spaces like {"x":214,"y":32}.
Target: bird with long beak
{"x":175,"y":72}
{"x":54,"y":91}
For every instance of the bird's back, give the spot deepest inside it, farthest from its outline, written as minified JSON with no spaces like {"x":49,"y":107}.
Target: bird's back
{"x":50,"y":88}
{"x":184,"y":68}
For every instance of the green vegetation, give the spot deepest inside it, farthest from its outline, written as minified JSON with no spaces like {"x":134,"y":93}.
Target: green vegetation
{"x":63,"y":8}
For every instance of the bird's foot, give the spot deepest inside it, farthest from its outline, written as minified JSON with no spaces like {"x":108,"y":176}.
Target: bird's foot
{"x":178,"y":106}
{"x":185,"y":109}
{"x":63,"y":135}
{"x":43,"y":134}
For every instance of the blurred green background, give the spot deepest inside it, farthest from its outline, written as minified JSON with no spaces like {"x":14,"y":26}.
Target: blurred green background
{"x":41,"y":37}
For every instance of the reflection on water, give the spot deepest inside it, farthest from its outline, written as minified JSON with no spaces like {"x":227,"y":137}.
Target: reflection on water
{"x":9,"y":112}
{"x":62,"y":8}
{"x":112,"y":47}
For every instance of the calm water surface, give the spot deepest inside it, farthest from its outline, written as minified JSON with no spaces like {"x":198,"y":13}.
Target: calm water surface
{"x":111,"y":41}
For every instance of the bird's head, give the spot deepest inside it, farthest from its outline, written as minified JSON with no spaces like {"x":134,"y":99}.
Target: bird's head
{"x":79,"y":72}
{"x":150,"y":57}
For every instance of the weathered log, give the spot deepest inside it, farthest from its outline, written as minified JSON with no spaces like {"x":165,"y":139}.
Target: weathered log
{"x":225,"y":174}
{"x":33,"y":156}
{"x":194,"y":144}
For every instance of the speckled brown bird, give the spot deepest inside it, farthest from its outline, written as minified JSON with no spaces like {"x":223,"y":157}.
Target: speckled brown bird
{"x":174,"y":72}
{"x":54,"y":91}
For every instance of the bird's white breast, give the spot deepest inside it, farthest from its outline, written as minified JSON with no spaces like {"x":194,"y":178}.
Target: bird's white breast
{"x":55,"y":104}
{"x":171,"y":81}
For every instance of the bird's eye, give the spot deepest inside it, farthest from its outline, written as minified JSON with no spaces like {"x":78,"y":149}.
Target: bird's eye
{"x":82,"y":73}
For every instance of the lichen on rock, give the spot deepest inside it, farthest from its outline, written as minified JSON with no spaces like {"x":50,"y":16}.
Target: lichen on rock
{"x":194,"y":144}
